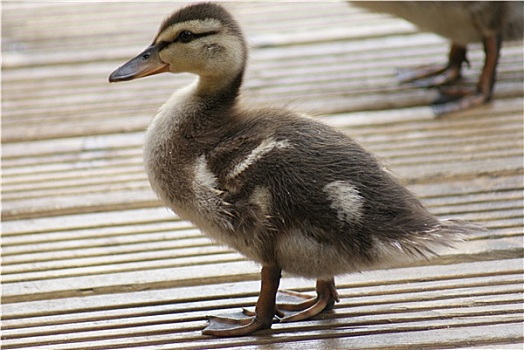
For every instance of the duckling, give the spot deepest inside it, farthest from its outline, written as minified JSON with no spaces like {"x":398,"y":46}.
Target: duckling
{"x":283,"y":190}
{"x":463,"y":22}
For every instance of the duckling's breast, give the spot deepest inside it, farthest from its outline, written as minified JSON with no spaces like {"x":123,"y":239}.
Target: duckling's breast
{"x":179,"y":175}
{"x":166,"y":170}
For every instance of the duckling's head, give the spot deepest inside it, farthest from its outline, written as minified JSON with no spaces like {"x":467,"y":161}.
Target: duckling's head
{"x":202,"y":39}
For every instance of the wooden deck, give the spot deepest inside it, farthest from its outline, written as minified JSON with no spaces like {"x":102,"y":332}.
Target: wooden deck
{"x":91,"y":259}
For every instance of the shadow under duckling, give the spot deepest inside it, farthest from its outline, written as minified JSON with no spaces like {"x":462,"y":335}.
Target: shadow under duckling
{"x":463,"y":22}
{"x":285,"y":191}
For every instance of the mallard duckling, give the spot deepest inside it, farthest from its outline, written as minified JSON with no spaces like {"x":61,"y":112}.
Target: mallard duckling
{"x":463,"y":22}
{"x":285,"y":191}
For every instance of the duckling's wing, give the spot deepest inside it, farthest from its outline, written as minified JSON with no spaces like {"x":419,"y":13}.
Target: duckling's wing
{"x":299,"y":189}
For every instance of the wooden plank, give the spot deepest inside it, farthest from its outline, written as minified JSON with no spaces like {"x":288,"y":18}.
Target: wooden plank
{"x":105,"y":265}
{"x":34,"y":290}
{"x":40,"y":207}
{"x":156,"y":314}
{"x":360,"y":307}
{"x":378,"y":283}
{"x":178,"y":237}
{"x":421,"y":338}
{"x":94,"y":220}
{"x":447,"y":337}
{"x":85,"y":144}
{"x":162,"y":278}
{"x":349,"y":326}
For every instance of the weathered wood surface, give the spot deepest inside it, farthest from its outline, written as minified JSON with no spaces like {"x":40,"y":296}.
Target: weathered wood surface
{"x":91,"y":260}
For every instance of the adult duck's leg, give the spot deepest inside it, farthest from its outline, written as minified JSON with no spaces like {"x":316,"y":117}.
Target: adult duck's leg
{"x":436,"y":75}
{"x":308,"y":307}
{"x":463,"y":98}
{"x":264,"y":311}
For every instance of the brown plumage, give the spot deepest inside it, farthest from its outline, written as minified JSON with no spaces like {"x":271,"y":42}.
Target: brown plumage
{"x":286,"y":191}
{"x":463,"y":22}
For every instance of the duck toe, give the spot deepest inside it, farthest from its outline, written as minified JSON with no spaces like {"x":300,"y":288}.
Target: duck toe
{"x":454,"y":101}
{"x":234,"y":324}
{"x":296,"y":307}
{"x":428,"y":76}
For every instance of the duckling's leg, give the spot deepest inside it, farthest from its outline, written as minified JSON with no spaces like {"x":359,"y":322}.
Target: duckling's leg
{"x":264,"y":312}
{"x":436,"y":75}
{"x":463,"y":98}
{"x":326,"y":297}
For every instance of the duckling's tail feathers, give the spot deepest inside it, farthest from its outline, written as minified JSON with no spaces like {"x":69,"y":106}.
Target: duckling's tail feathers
{"x":459,"y":227}
{"x":426,"y":244}
{"x":446,"y":235}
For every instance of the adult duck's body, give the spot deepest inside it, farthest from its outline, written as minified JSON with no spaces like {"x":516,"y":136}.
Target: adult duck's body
{"x":463,"y":22}
{"x":283,"y":190}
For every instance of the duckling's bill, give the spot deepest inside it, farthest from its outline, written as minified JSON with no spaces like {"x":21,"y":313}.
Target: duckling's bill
{"x":146,"y":63}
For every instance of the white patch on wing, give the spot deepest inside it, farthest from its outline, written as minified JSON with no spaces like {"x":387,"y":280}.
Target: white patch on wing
{"x":257,"y":153}
{"x":204,"y":178}
{"x":213,"y":210}
{"x":346,"y":200}
{"x":261,"y":197}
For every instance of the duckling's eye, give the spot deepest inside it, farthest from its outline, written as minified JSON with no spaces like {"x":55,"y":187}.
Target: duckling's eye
{"x":185,"y":36}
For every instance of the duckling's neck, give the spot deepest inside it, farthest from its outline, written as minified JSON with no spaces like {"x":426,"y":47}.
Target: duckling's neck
{"x":214,"y":90}
{"x":206,"y":100}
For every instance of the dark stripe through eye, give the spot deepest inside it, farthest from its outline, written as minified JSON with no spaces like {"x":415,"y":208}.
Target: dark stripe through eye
{"x":186,"y":36}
